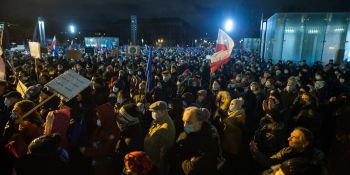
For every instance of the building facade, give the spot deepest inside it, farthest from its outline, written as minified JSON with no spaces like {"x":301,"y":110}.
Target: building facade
{"x":309,"y":36}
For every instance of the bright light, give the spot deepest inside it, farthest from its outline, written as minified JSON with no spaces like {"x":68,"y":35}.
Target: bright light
{"x":229,"y":25}
{"x":72,"y":29}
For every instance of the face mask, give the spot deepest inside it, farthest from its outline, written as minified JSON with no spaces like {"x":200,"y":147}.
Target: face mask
{"x":154,"y":116}
{"x":130,"y":72}
{"x":188,"y":128}
{"x":317,"y":77}
{"x":342,"y":80}
{"x":115,"y":89}
{"x":278,"y":72}
{"x":232,"y":107}
{"x":13,"y":116}
{"x":231,"y":86}
{"x":98,"y":123}
{"x":289,"y":88}
{"x":120,"y":100}
{"x":25,"y":78}
{"x":286,"y":72}
{"x":253,"y":88}
{"x":7,"y":102}
{"x":268,"y":84}
{"x":139,"y":73}
{"x":166,"y":78}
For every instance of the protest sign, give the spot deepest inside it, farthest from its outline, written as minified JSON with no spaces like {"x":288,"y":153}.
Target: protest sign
{"x":69,"y":84}
{"x":34,"y":48}
{"x":74,"y":54}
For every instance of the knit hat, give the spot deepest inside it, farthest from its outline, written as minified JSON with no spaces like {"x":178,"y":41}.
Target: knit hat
{"x":138,"y":162}
{"x":129,"y":111}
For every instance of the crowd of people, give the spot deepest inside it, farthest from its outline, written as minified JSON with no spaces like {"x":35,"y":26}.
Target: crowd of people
{"x":251,"y":116}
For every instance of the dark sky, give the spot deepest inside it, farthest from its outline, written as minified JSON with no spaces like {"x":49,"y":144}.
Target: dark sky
{"x":205,"y":15}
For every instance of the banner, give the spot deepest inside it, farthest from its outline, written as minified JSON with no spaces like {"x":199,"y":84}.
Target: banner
{"x":34,"y":48}
{"x":69,"y":84}
{"x":74,"y":54}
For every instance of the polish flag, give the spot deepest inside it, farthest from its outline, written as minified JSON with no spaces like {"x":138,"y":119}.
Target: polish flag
{"x":53,"y":44}
{"x":224,"y":46}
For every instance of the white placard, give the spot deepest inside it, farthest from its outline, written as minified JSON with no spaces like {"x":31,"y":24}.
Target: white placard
{"x":69,"y":84}
{"x":34,"y":48}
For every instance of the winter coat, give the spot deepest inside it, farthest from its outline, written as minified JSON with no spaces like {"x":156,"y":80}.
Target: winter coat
{"x":159,"y":139}
{"x":102,"y":143}
{"x":232,"y":137}
{"x":198,"y":153}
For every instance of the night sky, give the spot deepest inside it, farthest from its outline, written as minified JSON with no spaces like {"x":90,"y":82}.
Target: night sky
{"x":206,"y":15}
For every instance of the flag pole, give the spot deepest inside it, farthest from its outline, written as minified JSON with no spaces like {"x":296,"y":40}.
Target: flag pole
{"x":37,"y":106}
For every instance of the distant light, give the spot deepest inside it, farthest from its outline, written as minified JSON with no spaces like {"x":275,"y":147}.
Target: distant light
{"x":339,"y":29}
{"x":229,"y":25}
{"x":72,"y":29}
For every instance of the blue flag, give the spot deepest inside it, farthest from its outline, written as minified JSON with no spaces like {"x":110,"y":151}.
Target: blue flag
{"x":149,"y":83}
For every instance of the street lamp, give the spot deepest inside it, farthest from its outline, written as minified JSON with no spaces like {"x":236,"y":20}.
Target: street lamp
{"x":72,"y":29}
{"x":229,"y":25}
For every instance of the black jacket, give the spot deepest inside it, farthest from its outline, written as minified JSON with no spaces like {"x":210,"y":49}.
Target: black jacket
{"x":199,"y":152}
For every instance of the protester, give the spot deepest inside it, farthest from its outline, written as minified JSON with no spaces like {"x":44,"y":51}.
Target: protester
{"x":197,"y":147}
{"x":311,"y":95}
{"x":160,"y":137}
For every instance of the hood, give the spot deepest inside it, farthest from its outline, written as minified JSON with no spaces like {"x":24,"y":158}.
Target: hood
{"x":105,"y":113}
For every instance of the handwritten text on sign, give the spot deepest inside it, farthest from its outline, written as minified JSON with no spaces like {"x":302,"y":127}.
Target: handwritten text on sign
{"x":69,"y":84}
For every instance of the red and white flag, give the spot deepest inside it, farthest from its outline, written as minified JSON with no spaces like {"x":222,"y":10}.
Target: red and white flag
{"x":224,"y":46}
{"x":53,"y":44}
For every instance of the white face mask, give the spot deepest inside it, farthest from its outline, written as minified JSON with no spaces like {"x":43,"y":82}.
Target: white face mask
{"x":98,"y":123}
{"x":318,"y":77}
{"x":342,"y":80}
{"x":289,"y":89}
{"x":154,"y":115}
{"x":115,"y":89}
{"x":120,"y":100}
{"x":8,"y":102}
{"x":232,"y":107}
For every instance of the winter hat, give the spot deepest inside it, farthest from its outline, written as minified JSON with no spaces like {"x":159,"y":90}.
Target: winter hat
{"x":129,"y":111}
{"x":138,"y":162}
